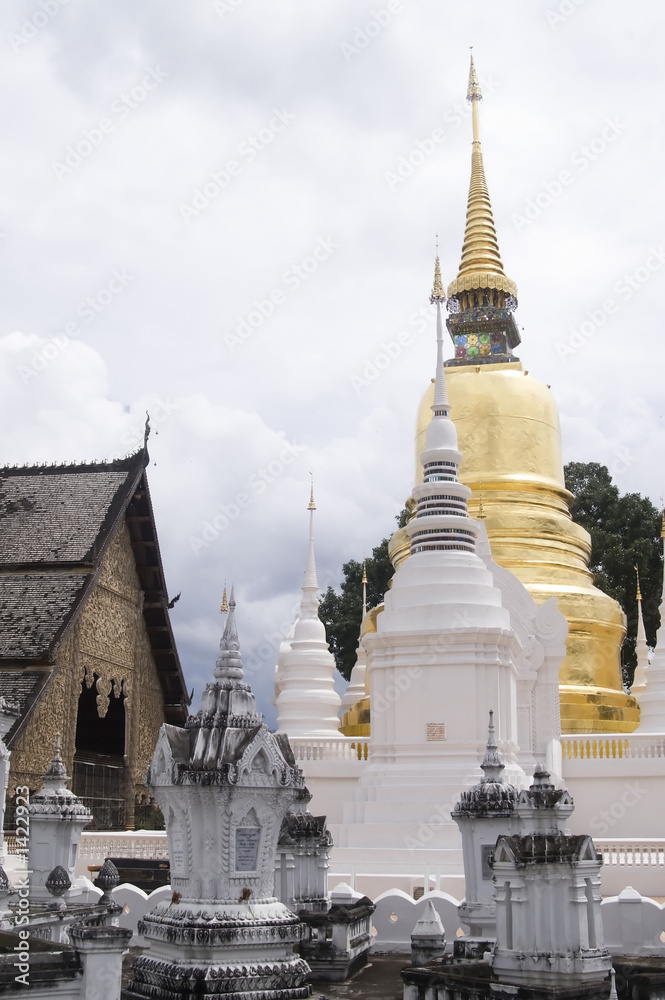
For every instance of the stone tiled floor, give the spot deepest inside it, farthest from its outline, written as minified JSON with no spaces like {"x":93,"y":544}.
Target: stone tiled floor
{"x":379,"y":980}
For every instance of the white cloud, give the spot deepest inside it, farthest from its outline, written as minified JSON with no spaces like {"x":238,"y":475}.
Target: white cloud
{"x":227,"y":414}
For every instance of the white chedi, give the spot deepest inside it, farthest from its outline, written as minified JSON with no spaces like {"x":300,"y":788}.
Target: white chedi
{"x":307,"y":703}
{"x":443,"y":654}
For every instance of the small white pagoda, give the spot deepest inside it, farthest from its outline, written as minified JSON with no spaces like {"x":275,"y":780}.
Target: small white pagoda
{"x":224,"y":785}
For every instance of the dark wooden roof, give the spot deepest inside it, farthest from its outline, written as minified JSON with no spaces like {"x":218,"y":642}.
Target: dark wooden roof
{"x":55,"y":525}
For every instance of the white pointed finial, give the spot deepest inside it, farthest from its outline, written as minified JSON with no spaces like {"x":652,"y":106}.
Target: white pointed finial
{"x":229,"y":661}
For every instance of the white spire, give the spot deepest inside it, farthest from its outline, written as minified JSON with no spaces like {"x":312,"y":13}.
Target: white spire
{"x":229,"y":661}
{"x":307,"y":703}
{"x":641,"y":647}
{"x":442,"y":519}
{"x":310,"y":586}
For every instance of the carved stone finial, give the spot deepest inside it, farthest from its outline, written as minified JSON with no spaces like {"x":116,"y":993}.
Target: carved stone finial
{"x":492,"y":765}
{"x":58,"y":882}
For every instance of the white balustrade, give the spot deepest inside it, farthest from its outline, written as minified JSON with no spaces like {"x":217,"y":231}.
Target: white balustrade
{"x":614,"y":746}
{"x":304,"y":750}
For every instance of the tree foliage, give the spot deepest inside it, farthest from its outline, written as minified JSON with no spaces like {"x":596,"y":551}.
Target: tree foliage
{"x":625,"y":532}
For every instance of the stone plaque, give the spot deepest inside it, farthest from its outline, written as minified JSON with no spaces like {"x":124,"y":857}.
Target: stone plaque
{"x":247,"y":848}
{"x":178,"y":863}
{"x":436,"y":732}
{"x":486,"y":850}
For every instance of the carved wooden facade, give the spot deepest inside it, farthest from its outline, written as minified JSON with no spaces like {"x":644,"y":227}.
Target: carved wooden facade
{"x":111,"y":674}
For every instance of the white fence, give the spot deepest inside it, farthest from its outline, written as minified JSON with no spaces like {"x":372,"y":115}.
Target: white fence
{"x":632,"y":924}
{"x":346,"y":749}
{"x":95,"y":848}
{"x":613,"y":746}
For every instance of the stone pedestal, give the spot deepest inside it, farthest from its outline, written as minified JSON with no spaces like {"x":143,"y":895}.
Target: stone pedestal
{"x":101,"y":950}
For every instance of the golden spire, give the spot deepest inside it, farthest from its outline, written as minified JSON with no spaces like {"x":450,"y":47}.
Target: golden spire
{"x":481,"y":510}
{"x":364,"y":579}
{"x":662,"y":527}
{"x":364,"y":583}
{"x":438,"y":293}
{"x":481,"y":266}
{"x":225,"y":603}
{"x":637,"y":574}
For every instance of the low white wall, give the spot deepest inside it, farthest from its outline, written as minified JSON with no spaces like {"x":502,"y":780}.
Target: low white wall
{"x":397,"y":914}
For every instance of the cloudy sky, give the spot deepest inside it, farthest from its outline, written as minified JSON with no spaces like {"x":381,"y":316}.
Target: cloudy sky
{"x":224,"y":210}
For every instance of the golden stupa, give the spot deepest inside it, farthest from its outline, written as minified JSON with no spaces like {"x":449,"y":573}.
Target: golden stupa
{"x":509,"y":434}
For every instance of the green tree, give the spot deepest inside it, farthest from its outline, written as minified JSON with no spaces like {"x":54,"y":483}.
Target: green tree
{"x":625,"y":532}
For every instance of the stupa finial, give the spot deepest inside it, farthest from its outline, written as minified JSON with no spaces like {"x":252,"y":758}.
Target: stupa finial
{"x":311,"y":505}
{"x":492,"y":765}
{"x":229,"y":661}
{"x":310,"y":604}
{"x":225,"y":604}
{"x":56,"y":770}
{"x":438,"y":293}
{"x":364,"y":583}
{"x":473,"y":91}
{"x":440,"y":402}
{"x":481,"y":267}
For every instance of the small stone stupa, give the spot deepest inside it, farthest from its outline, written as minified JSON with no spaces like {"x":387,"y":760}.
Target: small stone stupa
{"x":224,"y":785}
{"x":547,"y":892}
{"x":483,"y":813}
{"x":57,"y":819}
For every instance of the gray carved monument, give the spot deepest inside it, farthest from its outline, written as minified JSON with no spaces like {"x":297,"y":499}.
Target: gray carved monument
{"x":224,"y":785}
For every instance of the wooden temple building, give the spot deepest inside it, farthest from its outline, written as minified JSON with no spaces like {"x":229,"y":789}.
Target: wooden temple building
{"x":86,"y":646}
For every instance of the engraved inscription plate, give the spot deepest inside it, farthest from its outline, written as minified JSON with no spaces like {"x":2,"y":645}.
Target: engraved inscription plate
{"x":436,"y":732}
{"x":247,"y":848}
{"x":179,"y":865}
{"x":486,"y":851}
